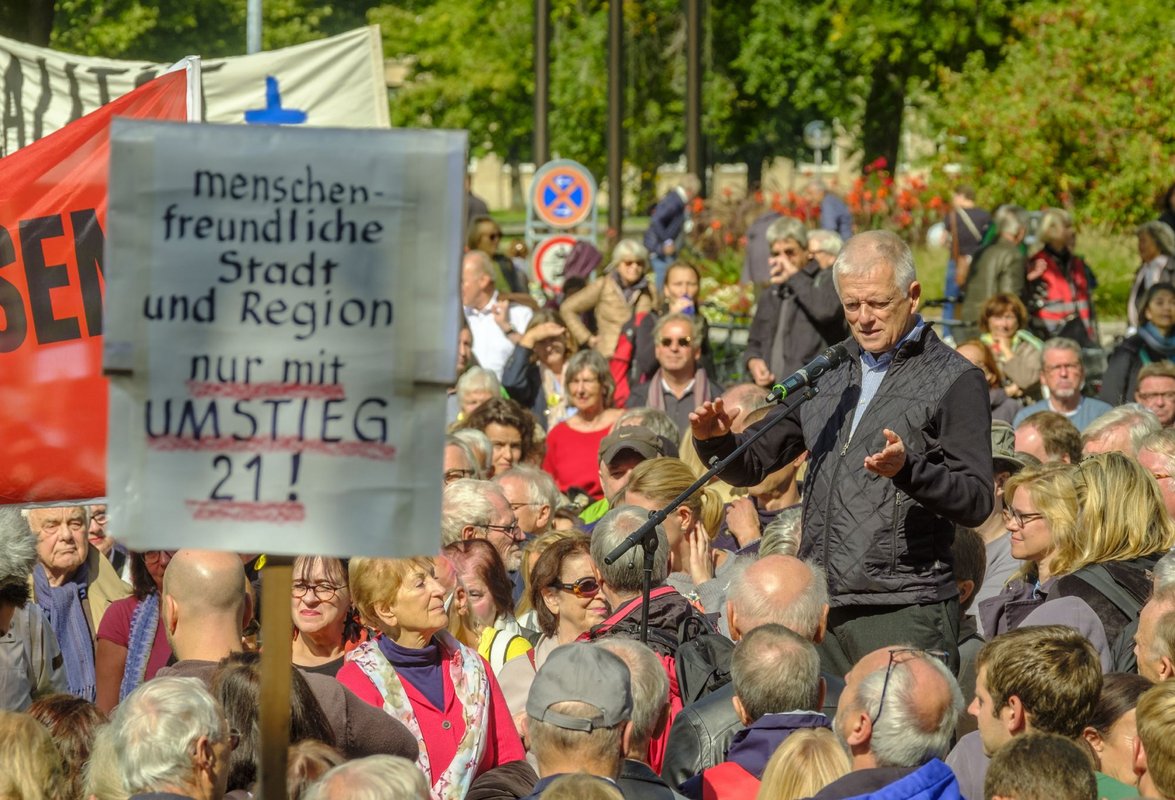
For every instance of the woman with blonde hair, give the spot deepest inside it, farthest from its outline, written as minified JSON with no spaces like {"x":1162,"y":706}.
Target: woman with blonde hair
{"x":694,"y":567}
{"x":805,"y":763}
{"x":33,"y":769}
{"x":418,"y":673}
{"x":1041,"y":513}
{"x":622,"y":291}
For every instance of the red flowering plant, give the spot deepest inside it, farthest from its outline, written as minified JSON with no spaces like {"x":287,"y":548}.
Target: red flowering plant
{"x":907,"y":207}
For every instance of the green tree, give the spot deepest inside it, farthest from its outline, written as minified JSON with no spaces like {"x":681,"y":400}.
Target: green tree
{"x":855,"y":60}
{"x":1077,"y":113}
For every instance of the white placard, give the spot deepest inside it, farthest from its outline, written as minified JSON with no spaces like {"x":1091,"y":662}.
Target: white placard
{"x":282,"y":323}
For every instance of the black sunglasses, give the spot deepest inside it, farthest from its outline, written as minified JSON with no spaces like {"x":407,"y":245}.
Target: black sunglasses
{"x":683,"y":341}
{"x":941,"y":655}
{"x":584,"y":587}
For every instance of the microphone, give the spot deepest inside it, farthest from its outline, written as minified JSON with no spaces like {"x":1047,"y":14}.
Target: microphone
{"x":807,"y":374}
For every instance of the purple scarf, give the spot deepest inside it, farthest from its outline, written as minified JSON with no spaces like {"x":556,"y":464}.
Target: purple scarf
{"x":67,"y":616}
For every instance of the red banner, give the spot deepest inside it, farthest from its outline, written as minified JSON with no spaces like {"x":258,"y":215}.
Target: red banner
{"x":52,"y":223}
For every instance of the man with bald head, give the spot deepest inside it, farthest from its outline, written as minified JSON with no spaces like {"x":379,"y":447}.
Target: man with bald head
{"x":776,"y":589}
{"x":897,"y":717}
{"x":205,"y":607}
{"x":496,"y":323}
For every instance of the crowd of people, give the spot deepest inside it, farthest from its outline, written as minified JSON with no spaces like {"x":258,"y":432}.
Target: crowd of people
{"x":944,"y":575}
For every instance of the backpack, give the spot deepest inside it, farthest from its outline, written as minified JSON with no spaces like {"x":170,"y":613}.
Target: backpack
{"x":620,"y":364}
{"x":582,"y":260}
{"x":700,"y":655}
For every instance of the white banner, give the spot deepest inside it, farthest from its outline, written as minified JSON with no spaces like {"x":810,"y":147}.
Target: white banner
{"x":282,"y":325}
{"x":335,"y":82}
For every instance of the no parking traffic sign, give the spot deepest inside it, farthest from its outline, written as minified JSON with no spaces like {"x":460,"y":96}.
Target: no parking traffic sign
{"x":563,"y":194}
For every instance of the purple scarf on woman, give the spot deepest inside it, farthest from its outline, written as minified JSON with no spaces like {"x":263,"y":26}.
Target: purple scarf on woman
{"x":67,"y":616}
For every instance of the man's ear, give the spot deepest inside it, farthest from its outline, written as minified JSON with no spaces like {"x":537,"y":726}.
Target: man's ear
{"x":1014,"y":716}
{"x":822,"y":628}
{"x":205,"y":758}
{"x":1166,"y":669}
{"x":171,"y":613}
{"x":966,"y":589}
{"x":469,"y":532}
{"x":543,"y":518}
{"x":625,"y":738}
{"x":732,"y":622}
{"x":740,"y":711}
{"x":859,"y":731}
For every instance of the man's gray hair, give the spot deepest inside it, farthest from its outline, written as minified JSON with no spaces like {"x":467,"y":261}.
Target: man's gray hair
{"x":1061,"y":343}
{"x":478,"y":259}
{"x":595,"y":746}
{"x":825,"y":241}
{"x":540,"y":486}
{"x":18,"y":547}
{"x":478,"y":379}
{"x":782,"y":535}
{"x":1139,"y":421}
{"x":900,"y":737}
{"x":683,"y":319}
{"x":774,"y":671}
{"x":787,"y":228}
{"x":1164,"y":572}
{"x":155,"y":730}
{"x":691,"y":183}
{"x":467,"y":502}
{"x":479,"y":445}
{"x":452,"y":440}
{"x":372,"y":778}
{"x":754,"y":606}
{"x":657,"y":421}
{"x":1010,"y":219}
{"x":650,"y":684}
{"x":872,"y":250}
{"x":626,"y":575}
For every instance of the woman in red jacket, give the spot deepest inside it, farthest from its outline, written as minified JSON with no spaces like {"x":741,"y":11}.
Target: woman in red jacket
{"x":419,"y":674}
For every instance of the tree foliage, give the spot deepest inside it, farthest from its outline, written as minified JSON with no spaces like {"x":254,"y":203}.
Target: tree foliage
{"x":1077,"y":114}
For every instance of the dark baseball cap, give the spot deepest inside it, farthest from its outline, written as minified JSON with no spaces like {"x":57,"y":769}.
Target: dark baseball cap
{"x":637,"y":438}
{"x":581,"y":673}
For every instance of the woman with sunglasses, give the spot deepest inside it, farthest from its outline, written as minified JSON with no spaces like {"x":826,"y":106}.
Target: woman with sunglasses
{"x":622,"y":291}
{"x":132,"y":643}
{"x":324,"y":621}
{"x":565,"y":594}
{"x":440,"y":689}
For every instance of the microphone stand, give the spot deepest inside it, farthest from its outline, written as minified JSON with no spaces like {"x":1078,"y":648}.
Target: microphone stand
{"x":646,"y":534}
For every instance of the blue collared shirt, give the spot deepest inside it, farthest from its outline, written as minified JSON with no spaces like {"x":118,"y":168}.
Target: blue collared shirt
{"x":873,"y":369}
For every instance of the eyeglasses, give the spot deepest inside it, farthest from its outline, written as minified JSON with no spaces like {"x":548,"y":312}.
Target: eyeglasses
{"x":322,"y":591}
{"x":1149,"y":396}
{"x":632,"y":261}
{"x":1021,"y":518}
{"x":509,"y":530}
{"x":941,"y":655}
{"x":681,"y":341}
{"x":493,"y":237}
{"x":584,"y":587}
{"x":234,"y":738}
{"x":99,"y":517}
{"x":515,"y":507}
{"x":1161,"y":476}
{"x":155,"y":555}
{"x":457,"y":474}
{"x":1051,"y":368}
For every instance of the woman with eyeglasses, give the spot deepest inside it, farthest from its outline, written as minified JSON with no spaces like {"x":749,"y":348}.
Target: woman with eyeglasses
{"x":486,"y":235}
{"x":1153,"y":343}
{"x":623,"y":290}
{"x":565,"y":594}
{"x":1041,"y":514}
{"x":486,"y":622}
{"x":536,"y":372}
{"x":132,"y":642}
{"x":324,"y":621}
{"x":442,"y":690}
{"x":573,"y":446}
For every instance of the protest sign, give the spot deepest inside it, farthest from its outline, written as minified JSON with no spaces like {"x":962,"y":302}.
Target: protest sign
{"x":282,"y":327}
{"x":52,"y":222}
{"x":336,"y":81}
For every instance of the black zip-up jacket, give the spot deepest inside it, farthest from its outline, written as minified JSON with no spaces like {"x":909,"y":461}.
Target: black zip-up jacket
{"x":883,"y":541}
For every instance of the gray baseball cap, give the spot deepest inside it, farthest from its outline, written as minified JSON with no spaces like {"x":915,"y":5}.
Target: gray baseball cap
{"x":581,"y":673}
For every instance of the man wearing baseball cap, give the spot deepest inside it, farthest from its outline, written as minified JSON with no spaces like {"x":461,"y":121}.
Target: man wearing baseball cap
{"x":578,"y":714}
{"x":622,"y":449}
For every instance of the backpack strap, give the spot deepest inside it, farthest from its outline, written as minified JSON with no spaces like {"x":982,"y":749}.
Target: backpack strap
{"x":728,"y":780}
{"x":1098,"y":577}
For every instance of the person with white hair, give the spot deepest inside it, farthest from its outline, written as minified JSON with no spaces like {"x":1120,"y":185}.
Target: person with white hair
{"x":474,"y":387}
{"x":170,"y":739}
{"x":1122,"y":429}
{"x":478,"y":510}
{"x":824,"y":246}
{"x":615,"y":297}
{"x":371,"y":778}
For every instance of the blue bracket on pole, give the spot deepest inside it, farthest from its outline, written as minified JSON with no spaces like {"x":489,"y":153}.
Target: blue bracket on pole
{"x":273,"y":113}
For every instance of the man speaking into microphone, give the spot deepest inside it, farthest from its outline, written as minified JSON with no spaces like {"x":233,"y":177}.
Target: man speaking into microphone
{"x":899,"y":435}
